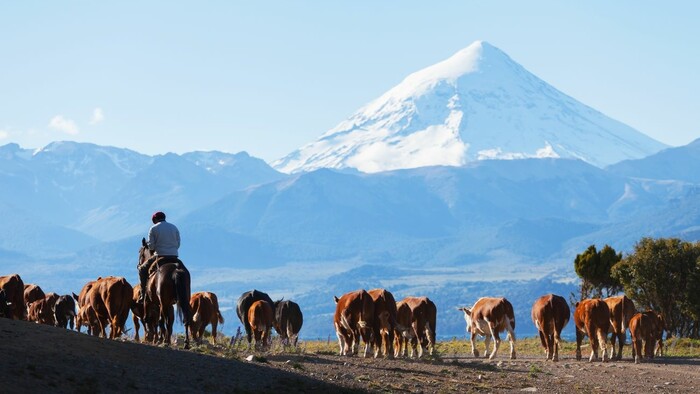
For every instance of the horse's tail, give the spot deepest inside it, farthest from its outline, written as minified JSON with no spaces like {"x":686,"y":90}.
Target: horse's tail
{"x":181,"y":277}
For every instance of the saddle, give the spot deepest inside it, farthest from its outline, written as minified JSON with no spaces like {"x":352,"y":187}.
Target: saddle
{"x":162,"y":260}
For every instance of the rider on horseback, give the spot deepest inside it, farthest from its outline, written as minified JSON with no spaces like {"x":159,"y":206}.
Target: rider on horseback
{"x":164,"y":241}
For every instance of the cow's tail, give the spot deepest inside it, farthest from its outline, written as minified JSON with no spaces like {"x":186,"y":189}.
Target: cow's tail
{"x":362,"y":323}
{"x":181,"y":278}
{"x":218,"y":315}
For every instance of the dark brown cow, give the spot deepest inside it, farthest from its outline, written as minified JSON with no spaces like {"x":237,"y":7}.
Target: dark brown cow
{"x":644,"y":329}
{"x":14,"y":293}
{"x":288,"y":321}
{"x":660,"y":328}
{"x":5,"y":310}
{"x":354,"y":319}
{"x":489,"y":317}
{"x":149,"y":321}
{"x":32,"y":293}
{"x":550,"y":313}
{"x":430,"y":325}
{"x":260,"y":318}
{"x":621,"y":311}
{"x":384,"y":322}
{"x":592,"y":318}
{"x":64,"y":311}
{"x":205,"y":310}
{"x":403,"y":332}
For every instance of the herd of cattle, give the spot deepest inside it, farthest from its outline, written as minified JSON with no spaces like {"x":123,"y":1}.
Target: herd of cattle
{"x":373,"y":317}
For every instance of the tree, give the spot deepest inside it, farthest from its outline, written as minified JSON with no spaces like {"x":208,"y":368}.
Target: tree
{"x":664,"y":275}
{"x":594,"y":268}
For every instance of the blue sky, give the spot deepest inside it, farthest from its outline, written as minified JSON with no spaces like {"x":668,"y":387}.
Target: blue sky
{"x":267,"y":77}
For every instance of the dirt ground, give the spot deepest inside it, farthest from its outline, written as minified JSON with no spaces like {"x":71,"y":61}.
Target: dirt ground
{"x":46,"y":359}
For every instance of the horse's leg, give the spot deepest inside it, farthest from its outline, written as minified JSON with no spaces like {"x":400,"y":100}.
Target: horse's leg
{"x":169,"y":322}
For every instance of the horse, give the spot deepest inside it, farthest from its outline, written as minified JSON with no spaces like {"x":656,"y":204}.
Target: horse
{"x":167,"y":286}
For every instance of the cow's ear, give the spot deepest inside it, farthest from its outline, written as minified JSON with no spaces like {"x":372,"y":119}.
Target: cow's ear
{"x":336,"y":299}
{"x":467,"y":311}
{"x":143,"y":242}
{"x":576,"y":304}
{"x":75,"y":296}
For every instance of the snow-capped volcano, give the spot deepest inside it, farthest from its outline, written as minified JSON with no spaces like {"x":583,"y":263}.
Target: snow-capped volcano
{"x":478,"y":104}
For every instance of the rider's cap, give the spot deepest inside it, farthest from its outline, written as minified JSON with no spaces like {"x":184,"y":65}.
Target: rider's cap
{"x":158,"y":217}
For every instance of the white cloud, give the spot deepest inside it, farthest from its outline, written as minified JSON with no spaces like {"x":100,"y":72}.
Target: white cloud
{"x":67,"y":126}
{"x":97,"y":116}
{"x":4,"y":134}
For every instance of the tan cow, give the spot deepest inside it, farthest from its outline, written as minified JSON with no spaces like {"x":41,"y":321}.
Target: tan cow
{"x":354,"y":319}
{"x":260,"y":318}
{"x":205,"y":309}
{"x":660,"y":328}
{"x":384,"y":321}
{"x":644,"y":328}
{"x":489,"y":317}
{"x":87,"y":316}
{"x":14,"y":294}
{"x":550,"y":313}
{"x":621,"y":311}
{"x":423,"y":314}
{"x":592,"y":318}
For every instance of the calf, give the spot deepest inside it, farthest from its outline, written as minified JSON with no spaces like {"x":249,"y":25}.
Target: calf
{"x":244,"y":302}
{"x":403,"y":332}
{"x":41,"y":311}
{"x":550,"y":313}
{"x":384,"y":322}
{"x":354,"y":319}
{"x":14,"y":293}
{"x":260,"y":319}
{"x":488,"y":317}
{"x":288,"y":321}
{"x":205,"y":309}
{"x":64,"y":311}
{"x":621,"y":311}
{"x":592,"y":318}
{"x":32,"y":293}
{"x":644,"y":328}
{"x":87,"y":316}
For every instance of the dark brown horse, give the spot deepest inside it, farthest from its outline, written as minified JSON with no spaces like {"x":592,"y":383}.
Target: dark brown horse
{"x":168,"y":285}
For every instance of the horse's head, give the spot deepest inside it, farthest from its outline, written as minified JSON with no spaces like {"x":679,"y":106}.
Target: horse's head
{"x":144,"y":252}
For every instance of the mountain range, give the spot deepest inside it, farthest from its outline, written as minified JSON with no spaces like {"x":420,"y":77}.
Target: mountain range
{"x":535,"y":178}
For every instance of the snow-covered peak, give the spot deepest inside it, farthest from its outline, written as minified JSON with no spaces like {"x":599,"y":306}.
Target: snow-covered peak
{"x":478,"y":104}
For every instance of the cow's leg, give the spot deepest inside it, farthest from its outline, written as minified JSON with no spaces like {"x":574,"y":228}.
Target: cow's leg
{"x":637,"y":343}
{"x":475,"y":351}
{"x":496,"y":340}
{"x":511,"y":340}
{"x":543,"y":341}
{"x":622,"y":337}
{"x":602,"y":343}
{"x":579,"y":339}
{"x":613,"y":338}
{"x":555,"y":346}
{"x":341,"y":340}
{"x":214,"y":325}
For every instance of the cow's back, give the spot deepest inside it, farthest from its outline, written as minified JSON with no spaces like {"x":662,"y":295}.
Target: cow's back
{"x":32,"y":293}
{"x":288,"y":318}
{"x":621,"y":311}
{"x":14,"y":292}
{"x":550,"y":313}
{"x":356,"y":307}
{"x":246,"y":300}
{"x":594,"y":313}
{"x":498,"y":310}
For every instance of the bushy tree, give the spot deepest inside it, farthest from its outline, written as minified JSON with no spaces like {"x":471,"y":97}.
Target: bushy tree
{"x":664,"y":275}
{"x":594,"y":267}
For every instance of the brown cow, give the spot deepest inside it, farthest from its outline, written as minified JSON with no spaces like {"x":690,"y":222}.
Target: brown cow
{"x":87,"y":316}
{"x":592,"y":318}
{"x":488,"y":317}
{"x":110,"y":298}
{"x":384,"y":322}
{"x":403,"y":333}
{"x":644,"y":328}
{"x":354,"y":319}
{"x":550,"y":313}
{"x":14,"y":293}
{"x":205,"y":309}
{"x":41,"y":311}
{"x":32,"y":293}
{"x":260,"y":319}
{"x":621,"y":311}
{"x":422,"y":324}
{"x":288,"y":321}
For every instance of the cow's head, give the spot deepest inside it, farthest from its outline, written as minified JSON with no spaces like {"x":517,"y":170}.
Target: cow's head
{"x":467,"y":317}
